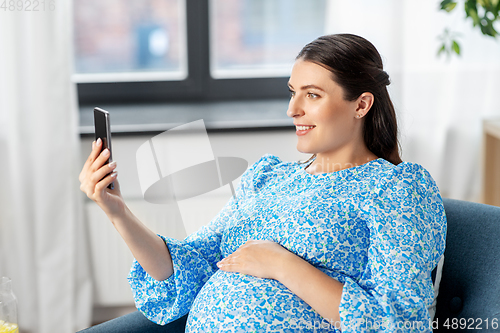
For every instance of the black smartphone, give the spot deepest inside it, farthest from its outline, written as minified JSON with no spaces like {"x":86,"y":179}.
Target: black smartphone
{"x":102,"y":130}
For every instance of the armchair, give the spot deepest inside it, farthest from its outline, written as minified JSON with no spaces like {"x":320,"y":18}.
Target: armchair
{"x":469,"y":292}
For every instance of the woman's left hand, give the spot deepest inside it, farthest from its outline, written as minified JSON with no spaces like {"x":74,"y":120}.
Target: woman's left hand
{"x":259,"y":258}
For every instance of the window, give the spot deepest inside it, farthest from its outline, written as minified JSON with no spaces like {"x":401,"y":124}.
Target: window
{"x":132,"y":40}
{"x":260,"y":38}
{"x":189,"y":50}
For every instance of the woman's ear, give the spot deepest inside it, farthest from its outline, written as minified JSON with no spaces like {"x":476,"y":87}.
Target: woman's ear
{"x":365,"y":102}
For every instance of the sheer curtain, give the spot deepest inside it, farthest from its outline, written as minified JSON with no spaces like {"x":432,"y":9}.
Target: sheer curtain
{"x":440,"y":102}
{"x":42,"y":239}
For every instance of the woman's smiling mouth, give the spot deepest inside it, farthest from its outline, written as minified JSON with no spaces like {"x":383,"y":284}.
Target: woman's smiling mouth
{"x":302,"y":130}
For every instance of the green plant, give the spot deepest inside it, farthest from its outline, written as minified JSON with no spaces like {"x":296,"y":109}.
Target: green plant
{"x":484,"y":14}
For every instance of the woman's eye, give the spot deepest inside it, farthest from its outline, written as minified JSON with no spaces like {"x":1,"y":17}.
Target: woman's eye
{"x":292,"y":93}
{"x":312,"y":95}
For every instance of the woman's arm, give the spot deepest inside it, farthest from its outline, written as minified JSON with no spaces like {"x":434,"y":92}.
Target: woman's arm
{"x":148,"y":248}
{"x":320,"y":291}
{"x":266,"y":259}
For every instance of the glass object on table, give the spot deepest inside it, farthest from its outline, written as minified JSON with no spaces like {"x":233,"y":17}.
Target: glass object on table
{"x":8,"y":307}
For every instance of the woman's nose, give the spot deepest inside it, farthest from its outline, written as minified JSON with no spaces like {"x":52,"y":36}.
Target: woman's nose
{"x":294,"y":108}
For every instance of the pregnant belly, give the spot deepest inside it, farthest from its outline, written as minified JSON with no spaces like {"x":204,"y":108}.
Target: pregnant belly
{"x":242,"y":303}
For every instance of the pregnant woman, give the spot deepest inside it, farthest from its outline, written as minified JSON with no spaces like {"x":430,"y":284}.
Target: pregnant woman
{"x":345,"y":241}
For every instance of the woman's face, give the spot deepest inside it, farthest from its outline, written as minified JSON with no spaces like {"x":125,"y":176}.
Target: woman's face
{"x":316,"y":100}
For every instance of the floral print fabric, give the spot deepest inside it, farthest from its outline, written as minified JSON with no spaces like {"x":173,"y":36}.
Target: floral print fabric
{"x":377,"y":228}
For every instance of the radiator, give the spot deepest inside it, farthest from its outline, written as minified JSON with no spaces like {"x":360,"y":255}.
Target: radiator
{"x":110,"y":257}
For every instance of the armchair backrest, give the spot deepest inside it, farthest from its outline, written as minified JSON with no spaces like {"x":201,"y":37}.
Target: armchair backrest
{"x":469,"y":292}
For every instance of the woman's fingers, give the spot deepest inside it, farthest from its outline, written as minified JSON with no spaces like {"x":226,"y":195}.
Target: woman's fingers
{"x":100,"y":160}
{"x":96,"y":149}
{"x":229,"y":263}
{"x":97,"y":185}
{"x":100,"y":179}
{"x":260,"y":258}
{"x":103,"y":184}
{"x":93,"y":174}
{"x":99,"y":174}
{"x":95,"y":178}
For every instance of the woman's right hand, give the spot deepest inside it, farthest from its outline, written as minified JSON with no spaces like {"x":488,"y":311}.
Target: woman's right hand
{"x":110,"y":201}
{"x":149,"y":249}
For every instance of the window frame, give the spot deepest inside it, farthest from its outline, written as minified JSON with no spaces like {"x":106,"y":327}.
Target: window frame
{"x":198,"y":86}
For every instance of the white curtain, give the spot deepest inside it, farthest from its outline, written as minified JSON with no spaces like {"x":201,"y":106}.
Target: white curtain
{"x":440,"y":102}
{"x":42,"y":239}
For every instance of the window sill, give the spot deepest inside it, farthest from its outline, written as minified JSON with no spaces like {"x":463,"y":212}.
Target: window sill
{"x":218,"y":116}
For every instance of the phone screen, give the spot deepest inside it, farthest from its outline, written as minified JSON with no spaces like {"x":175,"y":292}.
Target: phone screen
{"x":102,"y":130}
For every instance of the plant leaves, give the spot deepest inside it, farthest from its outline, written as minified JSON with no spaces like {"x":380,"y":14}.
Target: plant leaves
{"x":445,"y":3}
{"x":455,"y":47}
{"x":441,"y":49}
{"x":449,"y":7}
{"x":486,"y":23}
{"x":471,"y":11}
{"x":488,"y":29}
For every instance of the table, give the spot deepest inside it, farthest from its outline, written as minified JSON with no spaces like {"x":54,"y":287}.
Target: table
{"x":491,"y":161}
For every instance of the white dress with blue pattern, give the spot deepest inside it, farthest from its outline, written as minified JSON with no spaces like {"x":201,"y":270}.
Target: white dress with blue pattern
{"x":377,"y":228}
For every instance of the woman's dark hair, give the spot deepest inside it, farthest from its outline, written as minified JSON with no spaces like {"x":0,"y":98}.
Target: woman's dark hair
{"x":357,"y":67}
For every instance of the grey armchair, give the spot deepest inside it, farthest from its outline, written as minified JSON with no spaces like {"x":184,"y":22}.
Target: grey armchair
{"x":469,"y":292}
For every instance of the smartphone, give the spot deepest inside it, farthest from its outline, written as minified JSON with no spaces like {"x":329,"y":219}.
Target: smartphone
{"x":102,"y":130}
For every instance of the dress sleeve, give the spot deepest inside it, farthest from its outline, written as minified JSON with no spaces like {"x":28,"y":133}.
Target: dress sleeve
{"x":194,"y":261}
{"x":407,"y":226}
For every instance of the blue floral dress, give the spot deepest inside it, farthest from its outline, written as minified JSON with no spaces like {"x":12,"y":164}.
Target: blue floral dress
{"x":377,"y":228}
